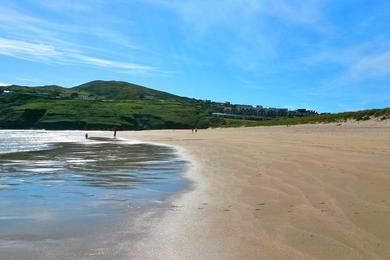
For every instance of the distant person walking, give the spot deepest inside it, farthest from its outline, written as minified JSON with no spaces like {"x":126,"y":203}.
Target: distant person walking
{"x":86,"y":135}
{"x":115,"y":133}
{"x":192,"y":130}
{"x":196,"y":130}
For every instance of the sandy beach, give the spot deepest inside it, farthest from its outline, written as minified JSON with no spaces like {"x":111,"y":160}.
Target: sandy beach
{"x":299,"y":192}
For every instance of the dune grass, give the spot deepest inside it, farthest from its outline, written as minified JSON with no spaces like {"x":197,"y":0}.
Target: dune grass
{"x":322,"y":118}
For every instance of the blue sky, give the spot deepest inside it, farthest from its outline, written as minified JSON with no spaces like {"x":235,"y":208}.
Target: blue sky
{"x":324,"y":55}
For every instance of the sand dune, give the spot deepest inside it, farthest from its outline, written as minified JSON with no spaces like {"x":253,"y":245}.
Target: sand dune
{"x":300,"y":192}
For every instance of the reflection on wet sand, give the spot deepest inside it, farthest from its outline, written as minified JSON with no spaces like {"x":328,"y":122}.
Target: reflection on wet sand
{"x":75,"y":193}
{"x":106,"y":164}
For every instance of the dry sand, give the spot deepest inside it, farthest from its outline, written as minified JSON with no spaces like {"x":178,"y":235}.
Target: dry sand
{"x":299,"y":192}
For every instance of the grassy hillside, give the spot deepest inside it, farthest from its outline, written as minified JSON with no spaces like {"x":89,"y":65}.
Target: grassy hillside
{"x":99,"y":105}
{"x":122,"y":105}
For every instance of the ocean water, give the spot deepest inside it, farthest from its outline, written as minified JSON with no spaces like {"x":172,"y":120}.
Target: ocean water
{"x":65,"y":197}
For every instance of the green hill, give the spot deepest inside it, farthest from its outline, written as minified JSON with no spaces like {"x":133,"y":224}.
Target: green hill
{"x":115,"y":104}
{"x":99,"y":105}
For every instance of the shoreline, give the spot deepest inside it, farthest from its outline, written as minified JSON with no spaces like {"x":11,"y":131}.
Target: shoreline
{"x":83,"y":211}
{"x":268,"y":192}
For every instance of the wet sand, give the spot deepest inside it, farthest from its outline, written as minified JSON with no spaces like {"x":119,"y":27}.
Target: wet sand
{"x":80,"y":199}
{"x":299,"y":192}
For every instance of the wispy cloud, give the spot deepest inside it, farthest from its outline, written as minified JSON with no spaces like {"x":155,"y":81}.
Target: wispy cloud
{"x":4,"y":84}
{"x":114,"y":64}
{"x":251,"y":33}
{"x":374,"y":66}
{"x":20,"y":24}
{"x":49,"y":53}
{"x":355,"y":64}
{"x":27,"y":50}
{"x":35,"y":39}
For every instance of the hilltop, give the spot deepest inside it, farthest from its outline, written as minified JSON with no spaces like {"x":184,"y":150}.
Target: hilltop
{"x":116,"y":104}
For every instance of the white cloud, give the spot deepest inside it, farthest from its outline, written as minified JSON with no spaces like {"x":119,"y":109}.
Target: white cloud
{"x":35,"y":39}
{"x":21,"y":49}
{"x":21,"y":25}
{"x":49,"y":53}
{"x":4,"y":84}
{"x":113,"y":64}
{"x":374,"y":66}
{"x":356,"y":63}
